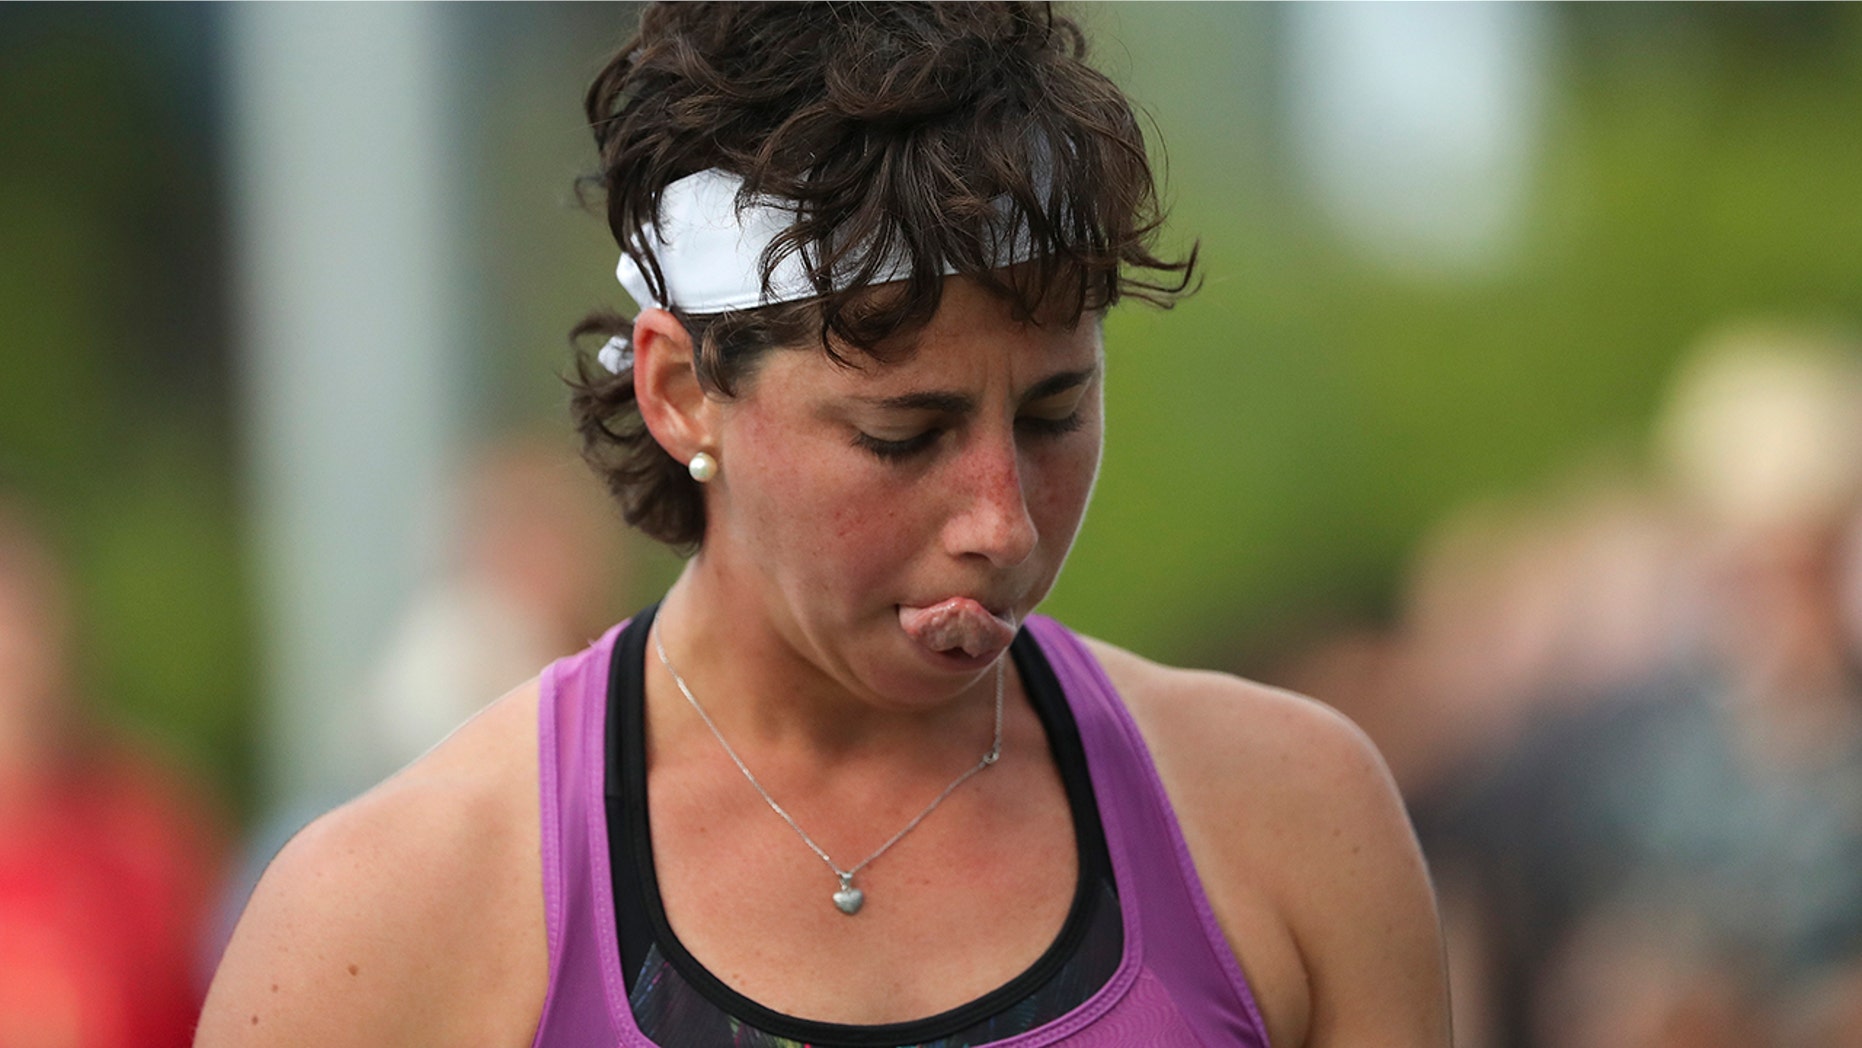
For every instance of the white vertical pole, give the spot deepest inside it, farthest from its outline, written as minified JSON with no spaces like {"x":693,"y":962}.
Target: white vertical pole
{"x":1418,"y":125}
{"x":346,"y":208}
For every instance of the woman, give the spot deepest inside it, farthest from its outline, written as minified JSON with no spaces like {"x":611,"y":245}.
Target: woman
{"x":839,"y":787}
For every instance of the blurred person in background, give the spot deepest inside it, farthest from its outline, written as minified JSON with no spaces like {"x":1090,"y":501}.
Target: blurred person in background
{"x":532,"y":576}
{"x":1511,"y":612}
{"x":108,"y":858}
{"x":1724,"y":789}
{"x":1516,"y":617}
{"x":1646,"y":973}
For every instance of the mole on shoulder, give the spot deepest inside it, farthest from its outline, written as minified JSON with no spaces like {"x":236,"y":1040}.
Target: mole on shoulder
{"x":354,"y":969}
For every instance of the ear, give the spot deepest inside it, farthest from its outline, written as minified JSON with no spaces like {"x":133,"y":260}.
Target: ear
{"x":673,"y":405}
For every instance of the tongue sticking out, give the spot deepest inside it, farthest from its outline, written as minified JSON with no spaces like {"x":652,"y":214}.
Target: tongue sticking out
{"x":957,"y":623}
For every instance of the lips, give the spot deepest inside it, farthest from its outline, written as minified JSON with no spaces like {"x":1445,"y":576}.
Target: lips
{"x":957,"y":624}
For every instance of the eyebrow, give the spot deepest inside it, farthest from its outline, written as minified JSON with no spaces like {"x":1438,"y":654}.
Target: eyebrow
{"x":929,"y":400}
{"x":952,"y":403}
{"x":1060,"y":383}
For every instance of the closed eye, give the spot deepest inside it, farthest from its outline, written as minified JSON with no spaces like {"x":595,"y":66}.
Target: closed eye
{"x":1055,"y":412}
{"x":1042,"y":426}
{"x":896,"y":450}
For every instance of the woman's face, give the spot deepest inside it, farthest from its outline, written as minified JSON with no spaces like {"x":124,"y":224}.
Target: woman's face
{"x":960,"y":470}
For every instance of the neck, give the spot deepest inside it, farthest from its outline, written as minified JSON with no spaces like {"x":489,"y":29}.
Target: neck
{"x":769,"y":687}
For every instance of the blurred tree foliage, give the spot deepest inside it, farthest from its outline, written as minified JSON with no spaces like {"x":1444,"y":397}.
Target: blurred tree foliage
{"x":1277,"y":443}
{"x":1280,"y":441}
{"x":114,"y":401}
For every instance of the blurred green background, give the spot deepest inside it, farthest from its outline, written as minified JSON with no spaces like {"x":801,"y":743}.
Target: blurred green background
{"x":1277,"y":443}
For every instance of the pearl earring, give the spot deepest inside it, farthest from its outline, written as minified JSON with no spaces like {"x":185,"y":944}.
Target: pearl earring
{"x":702,"y":467}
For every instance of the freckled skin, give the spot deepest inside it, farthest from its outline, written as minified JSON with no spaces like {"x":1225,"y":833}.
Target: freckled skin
{"x":827,"y":540}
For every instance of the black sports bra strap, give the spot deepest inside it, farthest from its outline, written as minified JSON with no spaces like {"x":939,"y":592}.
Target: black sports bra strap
{"x":1082,"y":957}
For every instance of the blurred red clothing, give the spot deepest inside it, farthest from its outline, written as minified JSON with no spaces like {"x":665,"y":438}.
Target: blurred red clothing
{"x":106,"y":875}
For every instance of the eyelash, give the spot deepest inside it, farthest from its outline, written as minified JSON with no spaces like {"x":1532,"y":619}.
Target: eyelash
{"x":896,"y":450}
{"x":899,"y":450}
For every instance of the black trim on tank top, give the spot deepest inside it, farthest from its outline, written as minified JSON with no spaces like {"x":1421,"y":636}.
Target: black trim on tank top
{"x":640,"y":915}
{"x":625,"y":778}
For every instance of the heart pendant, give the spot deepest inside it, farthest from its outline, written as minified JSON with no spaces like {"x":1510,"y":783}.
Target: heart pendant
{"x":849,"y":899}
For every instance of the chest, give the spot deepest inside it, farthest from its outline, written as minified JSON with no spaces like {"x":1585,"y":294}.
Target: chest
{"x":970,"y":898}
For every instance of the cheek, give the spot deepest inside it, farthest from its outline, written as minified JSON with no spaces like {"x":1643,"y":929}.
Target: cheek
{"x":815,"y":510}
{"x":867,"y":526}
{"x":1063,"y":485}
{"x":862,"y":543}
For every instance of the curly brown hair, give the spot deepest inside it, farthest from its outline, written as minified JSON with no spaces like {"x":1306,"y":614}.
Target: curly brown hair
{"x":900,"y":130}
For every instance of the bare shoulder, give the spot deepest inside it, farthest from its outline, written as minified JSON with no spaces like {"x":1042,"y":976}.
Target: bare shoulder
{"x":1304,"y":848}
{"x":1196,"y":719}
{"x":410,"y":916}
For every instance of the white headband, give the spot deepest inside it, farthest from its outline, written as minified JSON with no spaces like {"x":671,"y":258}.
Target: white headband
{"x":710,"y":251}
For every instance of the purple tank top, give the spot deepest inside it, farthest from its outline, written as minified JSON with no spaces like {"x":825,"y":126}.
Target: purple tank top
{"x":1177,"y":985}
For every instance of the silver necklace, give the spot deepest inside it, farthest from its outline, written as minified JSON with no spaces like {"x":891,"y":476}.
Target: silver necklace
{"x":847,"y":898}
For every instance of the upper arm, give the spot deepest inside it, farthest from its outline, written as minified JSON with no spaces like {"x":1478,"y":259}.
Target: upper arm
{"x":1307,"y":855}
{"x":329,"y":947}
{"x":412,"y":916}
{"x":1359,"y":899}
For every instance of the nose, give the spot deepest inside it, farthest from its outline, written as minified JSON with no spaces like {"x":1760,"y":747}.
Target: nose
{"x":992,"y":519}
